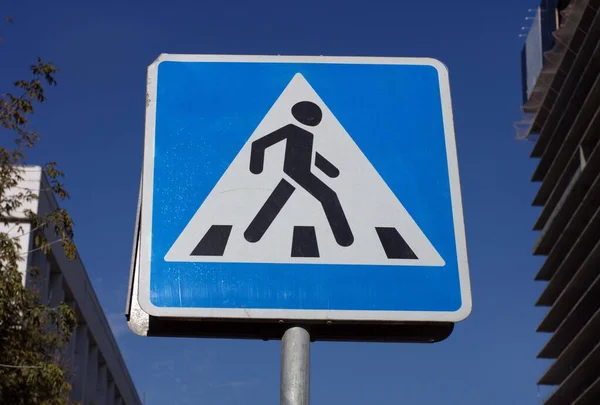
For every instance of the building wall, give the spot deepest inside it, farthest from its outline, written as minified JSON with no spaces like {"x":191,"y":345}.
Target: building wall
{"x":99,"y":374}
{"x":565,"y":105}
{"x":545,"y":20}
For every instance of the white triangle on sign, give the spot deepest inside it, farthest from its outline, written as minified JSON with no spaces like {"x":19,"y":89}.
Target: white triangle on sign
{"x":216,"y":231}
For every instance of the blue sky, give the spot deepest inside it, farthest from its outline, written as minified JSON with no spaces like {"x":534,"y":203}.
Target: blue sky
{"x":93,"y":126}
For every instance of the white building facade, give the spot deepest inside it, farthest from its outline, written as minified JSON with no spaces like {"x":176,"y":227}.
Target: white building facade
{"x":99,"y":374}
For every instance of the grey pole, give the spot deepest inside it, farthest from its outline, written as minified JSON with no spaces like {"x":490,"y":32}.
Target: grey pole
{"x":295,"y":367}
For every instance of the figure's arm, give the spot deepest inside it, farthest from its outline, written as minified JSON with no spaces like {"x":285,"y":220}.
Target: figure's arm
{"x":257,"y":153}
{"x":326,"y":166}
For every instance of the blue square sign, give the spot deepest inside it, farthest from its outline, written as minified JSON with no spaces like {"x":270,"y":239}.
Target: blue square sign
{"x":301,"y":188}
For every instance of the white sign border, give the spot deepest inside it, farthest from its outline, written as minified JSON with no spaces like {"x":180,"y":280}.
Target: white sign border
{"x":303,"y":315}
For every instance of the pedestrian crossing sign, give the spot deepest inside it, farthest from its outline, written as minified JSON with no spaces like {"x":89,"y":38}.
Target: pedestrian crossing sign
{"x":301,"y":188}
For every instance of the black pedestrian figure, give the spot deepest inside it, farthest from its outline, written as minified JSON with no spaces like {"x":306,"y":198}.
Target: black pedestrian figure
{"x":297,"y":165}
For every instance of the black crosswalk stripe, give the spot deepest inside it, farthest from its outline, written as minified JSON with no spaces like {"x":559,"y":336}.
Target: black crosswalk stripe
{"x":304,"y":242}
{"x":214,"y":241}
{"x":394,"y":245}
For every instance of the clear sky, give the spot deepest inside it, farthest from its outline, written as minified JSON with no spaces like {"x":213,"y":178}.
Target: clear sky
{"x":93,"y":126}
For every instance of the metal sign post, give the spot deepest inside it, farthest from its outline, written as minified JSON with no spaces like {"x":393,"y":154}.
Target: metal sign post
{"x":295,"y":367}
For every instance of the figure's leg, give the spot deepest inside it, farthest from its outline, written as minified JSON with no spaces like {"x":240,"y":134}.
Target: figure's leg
{"x":269,"y":211}
{"x":332,"y":207}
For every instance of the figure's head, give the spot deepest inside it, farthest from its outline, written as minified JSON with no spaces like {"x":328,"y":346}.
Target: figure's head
{"x":307,"y":113}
